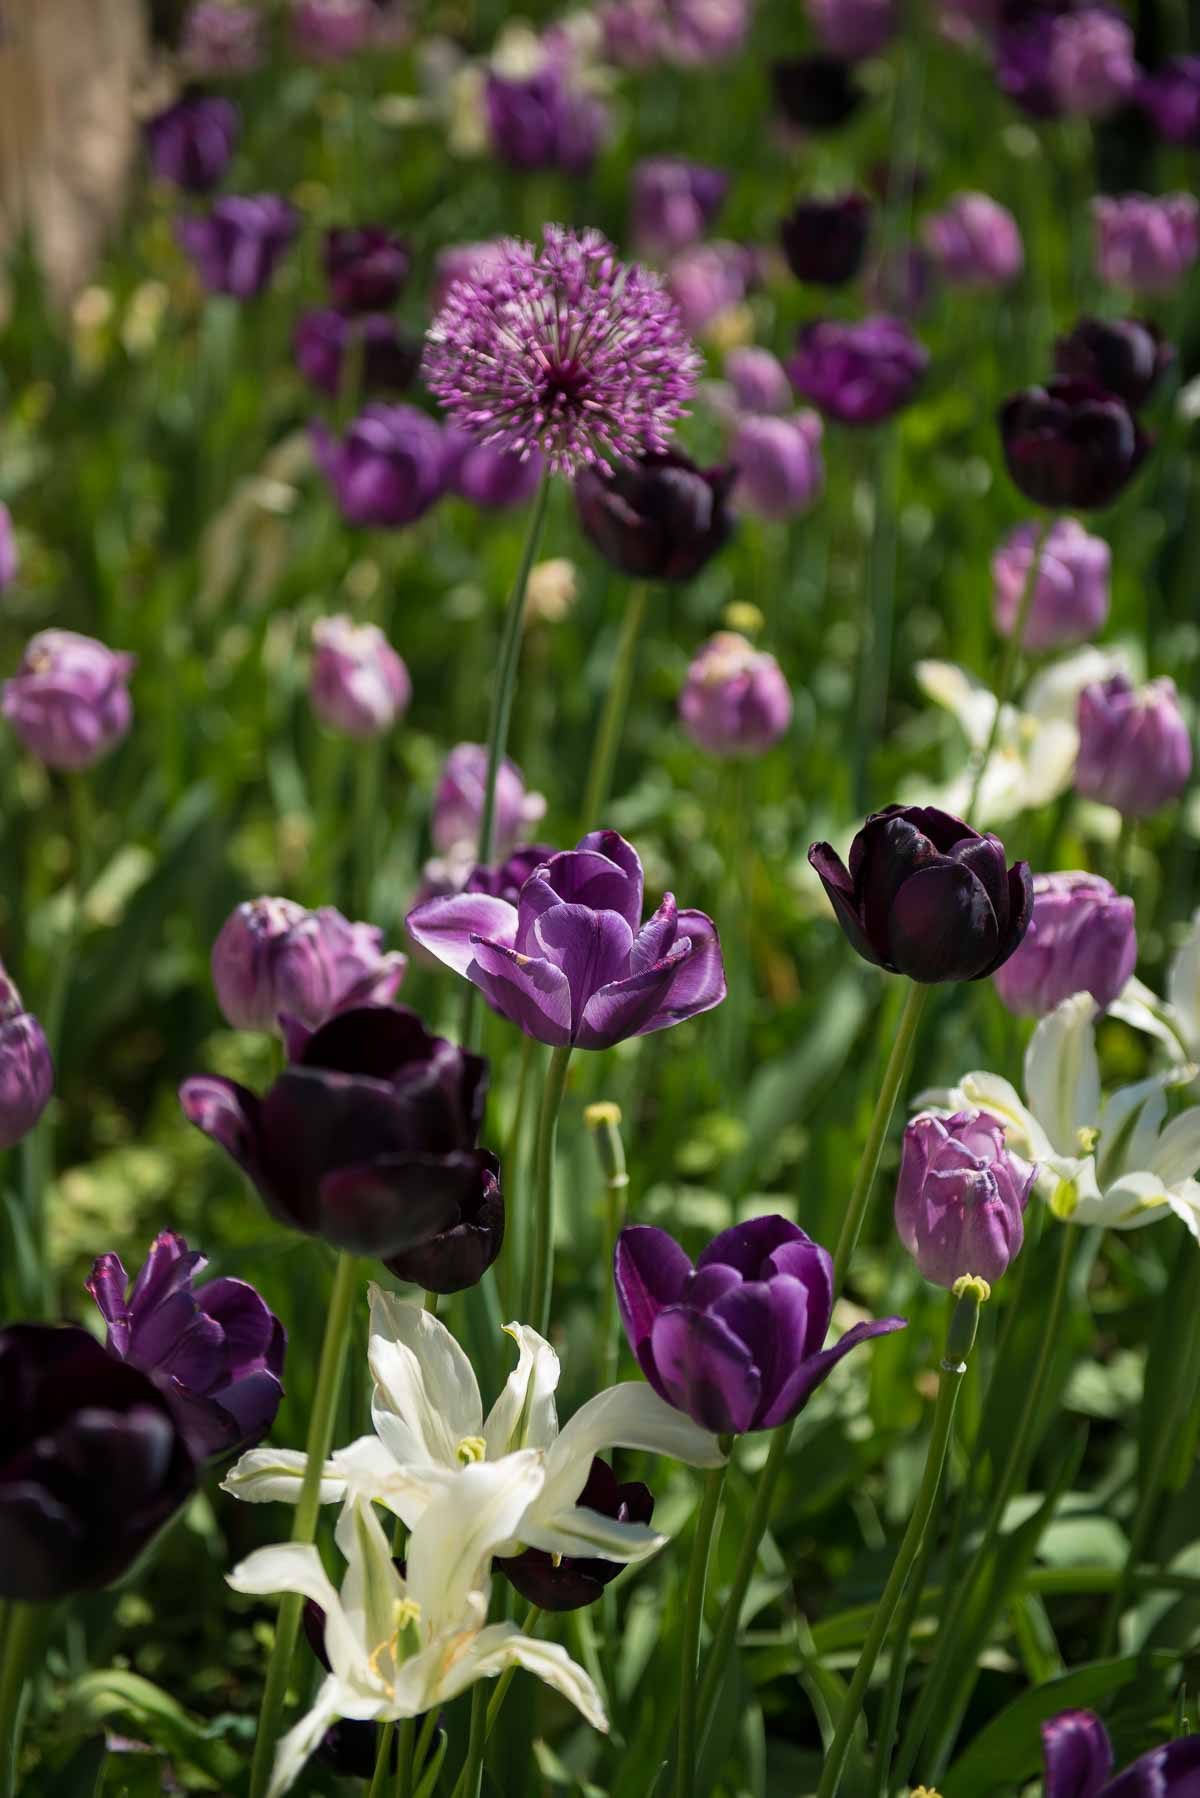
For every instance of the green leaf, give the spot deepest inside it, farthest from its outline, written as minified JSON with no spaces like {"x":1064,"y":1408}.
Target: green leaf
{"x":156,"y":1716}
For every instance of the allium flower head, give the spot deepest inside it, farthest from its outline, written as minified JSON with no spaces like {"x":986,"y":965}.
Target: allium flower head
{"x":565,"y":350}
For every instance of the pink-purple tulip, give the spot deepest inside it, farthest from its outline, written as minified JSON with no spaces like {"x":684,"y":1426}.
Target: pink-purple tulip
{"x":458,"y":802}
{"x":853,"y":28}
{"x":26,"y":1067}
{"x":758,"y":379}
{"x":69,"y":700}
{"x":736,"y":700}
{"x":975,"y":242}
{"x":1092,"y":68}
{"x":961,"y":1197}
{"x":1135,"y":750}
{"x":358,"y":685}
{"x":780,"y":471}
{"x":329,"y":30}
{"x":1082,"y":939}
{"x":220,"y":38}
{"x":1079,"y":1763}
{"x":274,"y":960}
{"x":1146,"y":244}
{"x":10,"y":561}
{"x":1070,"y":594}
{"x":673,"y":202}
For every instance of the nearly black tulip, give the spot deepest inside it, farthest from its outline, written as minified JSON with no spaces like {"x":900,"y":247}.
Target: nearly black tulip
{"x":1070,"y":444}
{"x":927,"y":896}
{"x":660,"y":517}
{"x":1125,"y":356}
{"x":568,"y":1582}
{"x":92,"y":1463}
{"x":825,"y":240}
{"x":817,"y":92}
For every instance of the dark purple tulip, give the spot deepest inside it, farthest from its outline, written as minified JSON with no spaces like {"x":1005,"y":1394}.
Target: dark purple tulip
{"x":92,"y":1463}
{"x":237,"y":245}
{"x":274,"y":959}
{"x":69,"y":700}
{"x":825,"y":240}
{"x":734,"y":1341}
{"x":1070,"y":444}
{"x":366,"y":267}
{"x":927,"y":896}
{"x":1081,"y":939}
{"x":572,"y":961}
{"x":388,"y":469}
{"x":1170,"y":98}
{"x":660,"y":517}
{"x":858,"y":373}
{"x":568,"y":1582}
{"x":487,"y":475}
{"x":26,"y":1067}
{"x":961,"y":1197}
{"x":10,"y":561}
{"x":191,"y":144}
{"x":459,"y":1255}
{"x":816,"y":93}
{"x":218,"y":1352}
{"x":1023,"y":66}
{"x":367,"y":1138}
{"x":1135,"y":750}
{"x":541,"y":121}
{"x":1079,"y":1762}
{"x":388,"y":357}
{"x":1125,"y":356}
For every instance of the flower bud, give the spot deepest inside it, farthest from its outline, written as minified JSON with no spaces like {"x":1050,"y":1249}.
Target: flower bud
{"x":366,"y":267}
{"x":191,"y":144}
{"x":858,"y":373}
{"x":825,"y":240}
{"x":389,"y":467}
{"x":674,"y":202}
{"x":26,"y":1069}
{"x":237,"y":245}
{"x":736,"y":700}
{"x":1170,"y":99}
{"x":1135,"y":751}
{"x":487,"y":475}
{"x":10,"y":563}
{"x":1092,"y":67}
{"x":330,"y":30}
{"x":458,"y":802}
{"x":68,"y":701}
{"x":1070,"y":444}
{"x":1126,"y":356}
{"x":1082,"y":939}
{"x":388,"y":357}
{"x":660,"y":517}
{"x":853,"y":28}
{"x":1146,"y":244}
{"x":960,"y":1197}
{"x":274,"y":959}
{"x":759,"y":380}
{"x":221,"y":38}
{"x":779,"y":467}
{"x":1023,"y":65}
{"x":706,"y":280}
{"x":1070,"y":595}
{"x":815,"y":93}
{"x":975,"y":242}
{"x":358,"y":684}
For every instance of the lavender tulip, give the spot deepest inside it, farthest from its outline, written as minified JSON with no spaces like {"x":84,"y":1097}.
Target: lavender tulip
{"x":192,"y":142}
{"x":1091,"y":62}
{"x":975,"y":242}
{"x":488,"y":476}
{"x":853,"y":28}
{"x":387,"y":356}
{"x":858,"y":373}
{"x":961,"y":1197}
{"x":1081,"y":939}
{"x":10,"y":561}
{"x":68,"y":701}
{"x":458,"y":801}
{"x":734,"y":1341}
{"x":358,"y":684}
{"x":1070,"y":595}
{"x":1135,"y":751}
{"x":366,"y":267}
{"x":26,"y":1067}
{"x":674,"y":202}
{"x":706,"y":280}
{"x":1146,"y":244}
{"x":758,"y":379}
{"x":779,"y":467}
{"x":273,"y":959}
{"x":1126,"y":356}
{"x":1170,"y":98}
{"x":388,"y":469}
{"x":218,"y":1352}
{"x":330,"y":30}
{"x":736,"y":700}
{"x":220,"y":38}
{"x":1079,"y":1763}
{"x":572,"y":962}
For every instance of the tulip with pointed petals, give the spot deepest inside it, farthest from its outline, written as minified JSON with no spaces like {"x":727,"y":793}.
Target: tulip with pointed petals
{"x":1079,"y":1763}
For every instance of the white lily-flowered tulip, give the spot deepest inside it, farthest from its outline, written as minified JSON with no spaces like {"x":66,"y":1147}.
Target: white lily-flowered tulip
{"x":1175,"y":1020}
{"x":430,"y":1427}
{"x":399,"y":1646}
{"x":1107,"y":1159}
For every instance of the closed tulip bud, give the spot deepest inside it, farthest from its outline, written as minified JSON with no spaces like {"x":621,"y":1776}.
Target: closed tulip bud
{"x":358,"y":684}
{"x":1146,"y":244}
{"x":366,"y":267}
{"x":674,"y":202}
{"x":330,"y":30}
{"x":706,"y":280}
{"x":92,"y":1463}
{"x":853,"y":28}
{"x":237,"y":245}
{"x":273,"y":959}
{"x":927,"y":896}
{"x":825,"y":240}
{"x":858,"y":373}
{"x":779,"y":467}
{"x":26,"y":1068}
{"x":458,"y":801}
{"x":758,"y":379}
{"x":1070,"y":595}
{"x":1070,"y":444}
{"x":387,"y":356}
{"x":816,"y":93}
{"x":568,"y":1582}
{"x":660,"y":517}
{"x":10,"y":561}
{"x":960,"y":1197}
{"x":1135,"y":751}
{"x":1079,"y":1763}
{"x":218,"y":1350}
{"x":221,"y":38}
{"x":1082,"y":939}
{"x":975,"y":242}
{"x":68,"y":701}
{"x":191,"y":144}
{"x":1126,"y":356}
{"x":487,"y":475}
{"x":1092,"y":67}
{"x":388,"y":468}
{"x":736,"y":700}
{"x":1170,"y":98}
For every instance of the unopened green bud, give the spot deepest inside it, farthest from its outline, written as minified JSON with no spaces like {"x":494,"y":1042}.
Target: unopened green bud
{"x":969,"y":1293}
{"x":604,"y":1121}
{"x":742,"y":615}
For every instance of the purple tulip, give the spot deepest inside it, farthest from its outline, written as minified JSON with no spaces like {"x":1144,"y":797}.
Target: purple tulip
{"x":330,"y":30}
{"x":1091,"y":62}
{"x":975,"y":242}
{"x":1125,"y":356}
{"x":817,"y":92}
{"x":853,"y":28}
{"x":68,"y":701}
{"x":191,"y":144}
{"x":388,"y":469}
{"x":825,"y":240}
{"x":1082,"y":940}
{"x":26,"y":1067}
{"x":698,"y":33}
{"x":1146,"y":244}
{"x":660,"y":518}
{"x":388,"y":357}
{"x":1135,"y":751}
{"x":1023,"y":52}
{"x":544,"y":121}
{"x":10,"y":561}
{"x":759,"y":380}
{"x":504,"y":880}
{"x":1070,"y":595}
{"x":961,"y":1197}
{"x":779,"y":467}
{"x":706,"y":280}
{"x":1170,"y":98}
{"x":238,"y":243}
{"x":568,"y":1582}
{"x":366,"y":267}
{"x":367,"y":1138}
{"x":487,"y":475}
{"x":674,"y":202}
{"x":1070,"y":444}
{"x":221,"y":39}
{"x":736,"y":700}
{"x":735,"y":1341}
{"x":218,"y":1352}
{"x":858,"y":373}
{"x":358,"y":684}
{"x":92,"y":1463}
{"x":458,"y":802}
{"x":272,"y":959}
{"x":927,"y":896}
{"x":572,"y":962}
{"x":1079,"y":1763}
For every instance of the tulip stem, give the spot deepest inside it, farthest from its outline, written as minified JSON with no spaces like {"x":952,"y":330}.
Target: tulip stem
{"x":18,"y":1629}
{"x":693,"y":1617}
{"x":541,"y":1273}
{"x":960,"y":1337}
{"x":472,"y":1774}
{"x":304,"y":1523}
{"x":495,"y":1703}
{"x":612,"y":718}
{"x":381,"y":1779}
{"x":1009,"y":658}
{"x":501,"y":714}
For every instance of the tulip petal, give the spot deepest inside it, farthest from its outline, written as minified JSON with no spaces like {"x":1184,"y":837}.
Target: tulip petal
{"x":229,"y":1113}
{"x":746,"y":1246}
{"x":304,"y":1738}
{"x":525,"y":1416}
{"x":1077,"y":1753}
{"x":531,"y":993}
{"x":590,"y":947}
{"x":941,"y":925}
{"x":797,"y":1390}
{"x":705,"y":1369}
{"x":378,"y":1041}
{"x":448,"y":927}
{"x":501,"y":1645}
{"x":839,"y":890}
{"x":1171,"y":1771}
{"x":690,"y":980}
{"x":617,"y":887}
{"x":649,"y":1272}
{"x":386,"y":1206}
{"x":771,"y":1318}
{"x":107,"y":1283}
{"x":654,"y":940}
{"x":1062,"y":1073}
{"x":426,"y":1400}
{"x":451,"y":1545}
{"x":629,"y":1415}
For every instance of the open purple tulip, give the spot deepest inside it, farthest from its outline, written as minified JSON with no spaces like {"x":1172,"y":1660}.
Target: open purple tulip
{"x":734,"y":1341}
{"x":572,"y":962}
{"x":1079,"y":1763}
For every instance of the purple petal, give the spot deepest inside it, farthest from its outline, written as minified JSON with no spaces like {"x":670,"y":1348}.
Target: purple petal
{"x":176,"y":1337}
{"x":771,"y":1318}
{"x":839,"y":889}
{"x":591,"y":948}
{"x":704,"y":1287}
{"x":656,"y":938}
{"x":251,"y":1331}
{"x":384,"y":1209}
{"x":1078,"y":1755}
{"x":1172,"y":1771}
{"x":168,"y":1268}
{"x":690,"y":980}
{"x":536,"y":897}
{"x":106,"y":1283}
{"x":803,"y":1382}
{"x":706,"y":1369}
{"x":941,"y":925}
{"x":448,"y":927}
{"x":603,"y":871}
{"x":534,"y":995}
{"x":808,"y":1262}
{"x":649,"y":1272}
{"x":251,"y":1404}
{"x":229,"y":1113}
{"x":746,"y":1246}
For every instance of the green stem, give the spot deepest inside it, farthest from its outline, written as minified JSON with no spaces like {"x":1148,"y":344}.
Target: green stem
{"x":19,"y":1633}
{"x":501,"y":714}
{"x":496,"y":1701}
{"x":381,"y":1779}
{"x":489,"y":1713}
{"x":472,"y":1774}
{"x":685,"y":1754}
{"x":406,"y":1743}
{"x":878,"y":611}
{"x":604,"y":1120}
{"x":304,"y":1523}
{"x":1009,"y":658}
{"x":612,"y":719}
{"x":367,"y":763}
{"x":889,"y":1715}
{"x":541,"y":1273}
{"x":422,"y":1753}
{"x":959,"y":1338}
{"x":510,"y":1268}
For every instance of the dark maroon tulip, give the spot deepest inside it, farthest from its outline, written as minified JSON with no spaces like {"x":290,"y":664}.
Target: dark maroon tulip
{"x":927,"y":896}
{"x":388,"y":468}
{"x":568,"y":1582}
{"x":366,"y":267}
{"x":1125,"y":356}
{"x":388,"y":356}
{"x":238,"y":243}
{"x":92,"y":1463}
{"x":858,"y":373}
{"x":191,"y":144}
{"x":825,"y":240}
{"x":1071,"y":444}
{"x":816,"y":93}
{"x":460,"y":1255}
{"x":735,"y":1341}
{"x":218,"y":1352}
{"x":1170,"y":98}
{"x":367,"y":1138}
{"x":1079,"y":1762}
{"x":660,"y":517}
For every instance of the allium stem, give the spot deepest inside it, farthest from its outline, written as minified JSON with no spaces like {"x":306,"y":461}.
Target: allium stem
{"x":1009,"y":658}
{"x":541,"y":1273}
{"x":612,"y":719}
{"x":685,"y":1753}
{"x":501,"y":713}
{"x":18,"y":1628}
{"x":304,"y":1523}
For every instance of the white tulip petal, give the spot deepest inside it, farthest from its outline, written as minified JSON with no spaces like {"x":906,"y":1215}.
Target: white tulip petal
{"x":301,"y":1742}
{"x":1062,"y":1074}
{"x":1133,"y":1201}
{"x":502,"y":1645}
{"x":1054,"y":692}
{"x":426,"y":1400}
{"x":950,"y":686}
{"x":372,"y":1584}
{"x":581,"y":1531}
{"x":1184,"y":1200}
{"x":1136,"y":1005}
{"x":296,"y":1567}
{"x":451,"y":1546}
{"x":1128,"y":1127}
{"x":264,"y":1474}
{"x":1183,"y":984}
{"x":1176,"y":1154}
{"x":630,"y":1415}
{"x":524,"y":1416}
